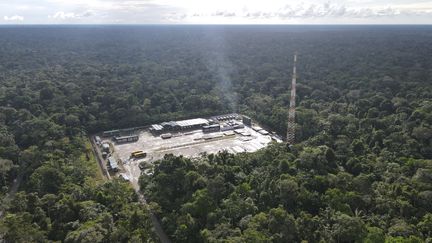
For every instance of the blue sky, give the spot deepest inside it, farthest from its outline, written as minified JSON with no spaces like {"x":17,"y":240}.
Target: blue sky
{"x":215,"y":12}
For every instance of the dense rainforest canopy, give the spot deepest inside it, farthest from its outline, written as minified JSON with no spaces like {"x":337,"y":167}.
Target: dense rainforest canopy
{"x":361,"y":170}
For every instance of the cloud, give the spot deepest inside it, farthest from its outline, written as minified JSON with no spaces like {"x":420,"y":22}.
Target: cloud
{"x":326,"y":10}
{"x":60,"y":15}
{"x":15,"y":18}
{"x":224,"y":13}
{"x":220,"y":11}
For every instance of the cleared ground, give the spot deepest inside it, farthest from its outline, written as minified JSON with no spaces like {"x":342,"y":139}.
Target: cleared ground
{"x":189,"y":144}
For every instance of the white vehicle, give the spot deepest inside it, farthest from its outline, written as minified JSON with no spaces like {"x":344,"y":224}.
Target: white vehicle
{"x":124,"y":177}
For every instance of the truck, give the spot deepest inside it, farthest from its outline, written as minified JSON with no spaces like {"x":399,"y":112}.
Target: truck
{"x":166,"y":136}
{"x":138,"y":154}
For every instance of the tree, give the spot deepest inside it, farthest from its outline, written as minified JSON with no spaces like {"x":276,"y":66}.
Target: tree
{"x":19,"y":228}
{"x":47,"y":179}
{"x":374,"y":235}
{"x":425,"y":225}
{"x":288,"y":191}
{"x":348,"y":229}
{"x":7,"y":167}
{"x":282,"y":225}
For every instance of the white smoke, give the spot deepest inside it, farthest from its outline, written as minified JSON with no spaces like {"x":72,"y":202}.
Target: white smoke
{"x":221,"y":67}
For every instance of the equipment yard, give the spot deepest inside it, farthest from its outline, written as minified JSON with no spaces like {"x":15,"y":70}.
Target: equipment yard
{"x":135,"y":156}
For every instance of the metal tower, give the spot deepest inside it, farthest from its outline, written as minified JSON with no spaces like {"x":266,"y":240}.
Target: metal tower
{"x":291,"y":112}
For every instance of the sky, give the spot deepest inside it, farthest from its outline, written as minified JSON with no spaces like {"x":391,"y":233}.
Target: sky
{"x":215,"y":12}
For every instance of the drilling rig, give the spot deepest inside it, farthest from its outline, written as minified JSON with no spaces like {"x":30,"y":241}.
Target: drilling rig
{"x":292,"y":108}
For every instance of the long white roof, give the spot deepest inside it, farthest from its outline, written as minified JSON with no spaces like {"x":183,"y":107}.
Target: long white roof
{"x":157,"y":127}
{"x":192,"y":122}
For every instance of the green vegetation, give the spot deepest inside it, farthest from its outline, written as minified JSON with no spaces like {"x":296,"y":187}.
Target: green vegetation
{"x":361,"y":171}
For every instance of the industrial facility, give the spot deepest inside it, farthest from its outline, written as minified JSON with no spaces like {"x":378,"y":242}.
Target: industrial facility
{"x":128,"y":151}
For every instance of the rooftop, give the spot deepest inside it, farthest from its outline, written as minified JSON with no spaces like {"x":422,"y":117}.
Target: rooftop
{"x":126,"y":137}
{"x":192,"y":122}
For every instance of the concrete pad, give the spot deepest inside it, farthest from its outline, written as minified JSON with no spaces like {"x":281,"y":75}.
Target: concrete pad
{"x":189,"y":144}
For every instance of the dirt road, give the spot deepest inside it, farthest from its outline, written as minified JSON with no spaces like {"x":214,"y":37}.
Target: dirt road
{"x":155,"y":221}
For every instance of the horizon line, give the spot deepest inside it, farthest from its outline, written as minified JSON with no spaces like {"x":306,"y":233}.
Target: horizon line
{"x":207,"y":24}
